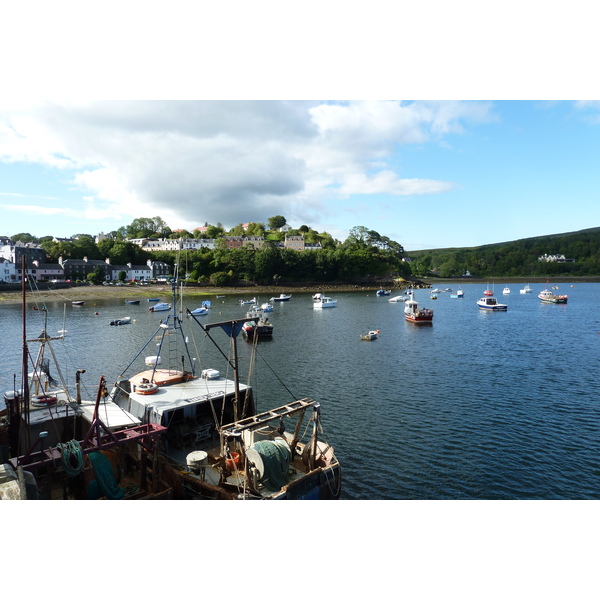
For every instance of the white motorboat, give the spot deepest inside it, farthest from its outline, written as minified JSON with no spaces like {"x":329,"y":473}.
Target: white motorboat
{"x":506,"y":290}
{"x":161,"y":306}
{"x":526,"y":290}
{"x":123,"y":321}
{"x":370,"y":336}
{"x":321,"y":301}
{"x":490,"y":303}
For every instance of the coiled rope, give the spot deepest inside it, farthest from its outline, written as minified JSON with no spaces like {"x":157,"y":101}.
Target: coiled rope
{"x":71,"y":457}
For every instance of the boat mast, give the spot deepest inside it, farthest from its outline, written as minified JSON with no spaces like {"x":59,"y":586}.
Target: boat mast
{"x":25,"y":377}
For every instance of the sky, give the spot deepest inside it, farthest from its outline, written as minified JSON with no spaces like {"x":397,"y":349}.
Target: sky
{"x":423,"y":125}
{"x":427,"y":174}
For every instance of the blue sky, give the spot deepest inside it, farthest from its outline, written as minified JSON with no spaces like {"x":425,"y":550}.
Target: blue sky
{"x":426,"y":174}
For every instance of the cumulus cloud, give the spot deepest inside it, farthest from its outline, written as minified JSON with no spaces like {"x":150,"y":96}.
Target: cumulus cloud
{"x":233,"y":161}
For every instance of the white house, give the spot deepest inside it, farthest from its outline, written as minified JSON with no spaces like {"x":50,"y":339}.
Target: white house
{"x":7,"y":271}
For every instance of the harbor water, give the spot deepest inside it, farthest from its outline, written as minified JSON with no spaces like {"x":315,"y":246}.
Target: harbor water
{"x":477,"y":405}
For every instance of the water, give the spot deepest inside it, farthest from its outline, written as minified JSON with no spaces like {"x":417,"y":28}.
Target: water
{"x":479,"y":405}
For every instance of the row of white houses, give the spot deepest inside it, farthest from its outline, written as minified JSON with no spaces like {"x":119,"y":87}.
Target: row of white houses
{"x":72,"y":269}
{"x":291,"y":242}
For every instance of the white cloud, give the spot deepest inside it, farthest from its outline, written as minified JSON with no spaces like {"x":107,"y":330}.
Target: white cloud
{"x":229,"y":162}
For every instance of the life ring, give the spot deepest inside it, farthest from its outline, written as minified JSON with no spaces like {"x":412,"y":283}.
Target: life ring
{"x":146,"y":388}
{"x":44,"y":400}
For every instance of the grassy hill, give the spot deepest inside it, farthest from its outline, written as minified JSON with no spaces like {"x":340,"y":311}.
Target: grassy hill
{"x":519,"y":258}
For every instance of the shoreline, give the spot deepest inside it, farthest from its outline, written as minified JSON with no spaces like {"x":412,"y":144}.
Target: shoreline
{"x":71,"y":293}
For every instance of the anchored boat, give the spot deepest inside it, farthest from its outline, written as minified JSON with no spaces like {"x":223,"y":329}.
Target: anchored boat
{"x":414,"y":314}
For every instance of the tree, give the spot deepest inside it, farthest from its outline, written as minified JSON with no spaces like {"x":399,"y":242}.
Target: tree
{"x":276,"y":222}
{"x":26,"y":238}
{"x":96,"y":277}
{"x":145,"y":227}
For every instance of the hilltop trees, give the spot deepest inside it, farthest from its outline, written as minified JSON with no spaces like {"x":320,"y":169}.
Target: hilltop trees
{"x":145,"y":227}
{"x":276,"y":222}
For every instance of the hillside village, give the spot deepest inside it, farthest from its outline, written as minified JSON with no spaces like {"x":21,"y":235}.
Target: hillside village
{"x":364,"y":255}
{"x":71,"y":269}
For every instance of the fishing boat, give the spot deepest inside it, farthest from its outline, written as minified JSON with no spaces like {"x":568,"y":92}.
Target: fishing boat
{"x":414,"y":314}
{"x":321,"y":301}
{"x":526,"y":290}
{"x":459,"y":294}
{"x":222,"y":447}
{"x":549,"y":297}
{"x":160,"y":307}
{"x":281,"y":298}
{"x":383,"y":292}
{"x":55,"y":445}
{"x":487,"y":303}
{"x":370,"y":336}
{"x":266,"y":307}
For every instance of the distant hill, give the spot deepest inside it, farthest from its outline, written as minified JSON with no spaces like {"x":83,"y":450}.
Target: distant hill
{"x":576,"y":253}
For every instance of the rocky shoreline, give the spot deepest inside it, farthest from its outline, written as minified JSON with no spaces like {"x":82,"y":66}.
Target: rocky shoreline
{"x":52,"y":292}
{"x":88,"y":292}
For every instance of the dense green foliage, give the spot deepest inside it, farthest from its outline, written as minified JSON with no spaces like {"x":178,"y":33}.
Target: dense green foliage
{"x":515,"y":259}
{"x":364,"y":254}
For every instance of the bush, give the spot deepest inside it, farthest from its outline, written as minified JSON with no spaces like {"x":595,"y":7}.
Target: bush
{"x":220,"y":278}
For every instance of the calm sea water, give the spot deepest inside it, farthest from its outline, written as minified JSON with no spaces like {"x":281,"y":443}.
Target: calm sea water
{"x":478,"y":405}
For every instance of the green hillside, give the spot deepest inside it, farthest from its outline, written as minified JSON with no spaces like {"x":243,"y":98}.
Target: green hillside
{"x":519,"y":258}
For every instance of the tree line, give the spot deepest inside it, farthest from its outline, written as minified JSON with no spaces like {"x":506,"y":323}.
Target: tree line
{"x":364,"y":254}
{"x":519,"y":258}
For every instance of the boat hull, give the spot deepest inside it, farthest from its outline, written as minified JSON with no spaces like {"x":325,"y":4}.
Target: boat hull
{"x":260,"y":332}
{"x":413,"y":319}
